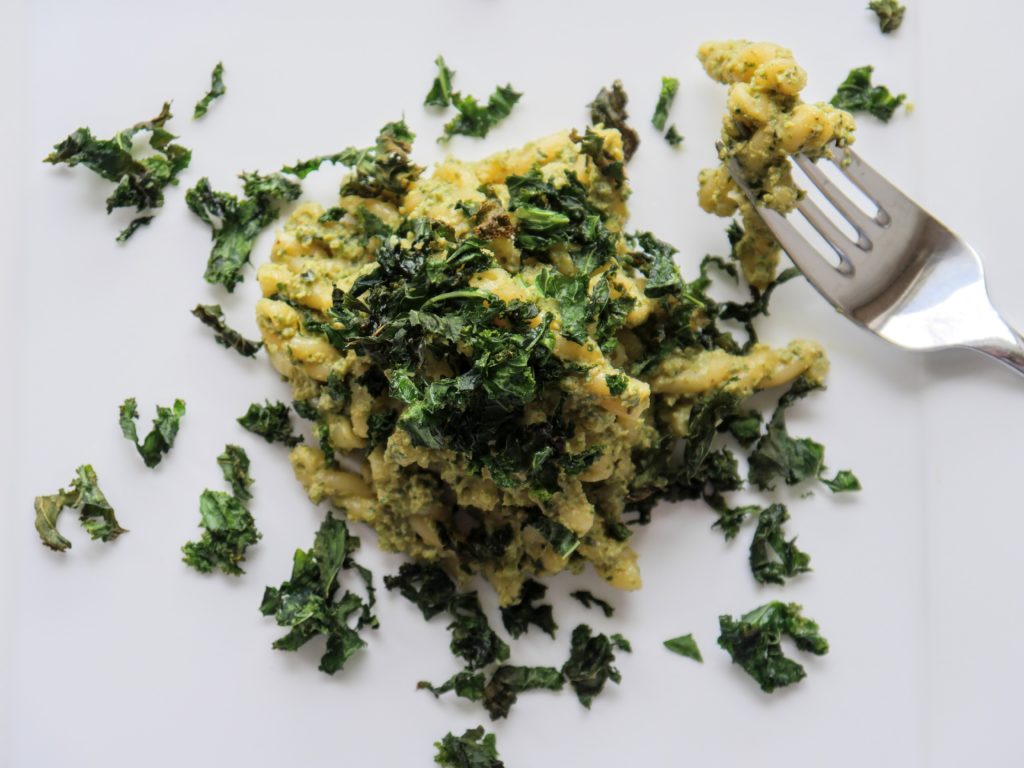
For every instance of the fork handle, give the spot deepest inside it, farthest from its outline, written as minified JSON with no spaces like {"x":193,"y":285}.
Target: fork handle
{"x":1008,"y":351}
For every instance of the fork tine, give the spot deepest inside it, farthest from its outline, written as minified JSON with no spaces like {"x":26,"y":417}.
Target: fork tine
{"x":864,"y":224}
{"x":869,"y":181}
{"x":841,"y":244}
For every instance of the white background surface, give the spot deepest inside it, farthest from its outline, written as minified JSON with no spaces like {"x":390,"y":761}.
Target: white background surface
{"x":118,"y":655}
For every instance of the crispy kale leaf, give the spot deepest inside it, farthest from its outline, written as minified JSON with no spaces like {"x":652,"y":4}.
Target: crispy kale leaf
{"x":673,"y":136}
{"x":95,"y":513}
{"x":440,"y":94}
{"x":518,"y":618}
{"x":856,"y":94}
{"x":844,"y":480}
{"x":270,"y":421}
{"x":228,"y":530}
{"x":234,"y":464}
{"x":669,"y":88}
{"x":591,"y":662}
{"x":473,"y":640}
{"x":235,"y":224}
{"x":890,"y":14}
{"x":475,"y":119}
{"x":138,"y":221}
{"x":217,"y":90}
{"x":212,"y":316}
{"x":588,"y":599}
{"x":306,"y":602}
{"x":609,"y":109}
{"x":753,"y":642}
{"x":160,"y":437}
{"x":501,"y":691}
{"x":773,"y":559}
{"x":140,"y":182}
{"x":472,"y":749}
{"x":686,"y":646}
{"x":779,"y":456}
{"x":426,"y":586}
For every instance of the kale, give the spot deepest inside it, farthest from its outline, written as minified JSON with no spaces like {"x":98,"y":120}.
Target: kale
{"x":686,"y":646}
{"x":609,"y":109}
{"x":160,"y":437}
{"x":139,"y":221}
{"x":95,"y":513}
{"x":467,"y":685}
{"x":426,"y":586}
{"x":730,"y":519}
{"x":473,"y":640}
{"x":518,"y":618}
{"x":753,"y":642}
{"x":472,"y":749}
{"x":758,"y":305}
{"x":570,"y":293}
{"x":856,"y":94}
{"x":235,"y":224}
{"x":228,"y":530}
{"x":588,"y":599}
{"x":306,"y":602}
{"x":476,"y":119}
{"x":777,"y":455}
{"x":890,"y":14}
{"x":140,"y":182}
{"x":234,"y":464}
{"x":773,"y":559}
{"x":561,"y":538}
{"x":440,"y":94}
{"x":617,"y":383}
{"x":501,"y":691}
{"x":380,"y":426}
{"x":745,"y":426}
{"x":673,"y":136}
{"x":217,"y":90}
{"x":653,"y":257}
{"x":271,"y":422}
{"x":669,"y":88}
{"x":592,"y":144}
{"x":591,"y":662}
{"x":844,"y":480}
{"x":212,"y":316}
{"x":706,"y":414}
{"x":384,"y":170}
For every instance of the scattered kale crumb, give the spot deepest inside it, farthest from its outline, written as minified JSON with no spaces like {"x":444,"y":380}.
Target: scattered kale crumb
{"x":270,"y":421}
{"x":517,"y":618}
{"x":589,"y":600}
{"x":773,"y":558}
{"x":844,"y":481}
{"x":161,"y":437}
{"x":212,"y":316}
{"x":217,"y":90}
{"x":857,"y":94}
{"x":609,"y":109}
{"x":440,"y":94}
{"x":228,"y":530}
{"x":889,"y":13}
{"x":127,"y":232}
{"x":477,"y":120}
{"x":669,"y":88}
{"x":673,"y":136}
{"x":686,"y":646}
{"x":591,"y":662}
{"x":95,"y":513}
{"x":234,"y":465}
{"x":473,"y":749}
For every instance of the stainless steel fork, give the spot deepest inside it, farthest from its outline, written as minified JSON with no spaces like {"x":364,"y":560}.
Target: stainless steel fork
{"x":907,"y":277}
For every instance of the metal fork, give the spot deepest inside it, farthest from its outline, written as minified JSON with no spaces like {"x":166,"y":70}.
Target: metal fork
{"x":907,"y":278}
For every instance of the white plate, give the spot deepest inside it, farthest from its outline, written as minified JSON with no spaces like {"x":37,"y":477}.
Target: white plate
{"x":120,"y":655}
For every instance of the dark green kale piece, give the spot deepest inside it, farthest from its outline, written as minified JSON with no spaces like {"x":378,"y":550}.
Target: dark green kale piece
{"x":160,"y":438}
{"x":856,"y":94}
{"x":609,"y":109}
{"x":773,"y":559}
{"x":426,"y":586}
{"x":686,"y":646}
{"x":591,"y":662}
{"x":473,"y":749}
{"x":669,"y":88}
{"x":753,"y":642}
{"x":228,"y":531}
{"x":440,"y":94}
{"x":589,"y":600}
{"x":499,"y":692}
{"x":473,"y":640}
{"x":234,"y":464}
{"x":306,"y":602}
{"x":517,"y":618}
{"x":270,"y":421}
{"x":217,"y":90}
{"x":95,"y":513}
{"x":475,"y":119}
{"x":140,"y":182}
{"x":235,"y":224}
{"x":889,"y":13}
{"x":673,"y":136}
{"x":212,"y":316}
{"x":844,"y":481}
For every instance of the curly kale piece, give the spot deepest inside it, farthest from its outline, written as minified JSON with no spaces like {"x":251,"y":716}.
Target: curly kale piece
{"x":217,"y":90}
{"x":686,"y":646}
{"x":212,"y":316}
{"x":753,"y":642}
{"x":140,"y":181}
{"x":426,"y":586}
{"x":589,"y":600}
{"x":673,"y":136}
{"x":270,"y":421}
{"x":236,"y":223}
{"x":473,"y":640}
{"x":669,"y":88}
{"x":306,"y":602}
{"x":440,"y":94}
{"x":844,"y":481}
{"x":518,"y":618}
{"x":889,"y":13}
{"x":856,"y":94}
{"x":773,"y":559}
{"x":591,"y":662}
{"x":228,"y":530}
{"x":475,"y":119}
{"x":499,"y":692}
{"x":609,"y":109}
{"x":234,"y":464}
{"x":95,"y":513}
{"x":473,"y":749}
{"x":160,"y":438}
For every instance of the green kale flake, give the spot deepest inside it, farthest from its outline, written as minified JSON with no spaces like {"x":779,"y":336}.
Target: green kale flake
{"x":609,"y":109}
{"x":518,"y":618}
{"x":753,"y":642}
{"x":591,"y":662}
{"x":228,"y":530}
{"x":306,"y":602}
{"x":669,"y":88}
{"x":127,"y":232}
{"x":589,"y":600}
{"x":502,"y":689}
{"x":472,"y":749}
{"x":426,"y":586}
{"x":440,"y":94}
{"x":160,"y":437}
{"x":473,"y":640}
{"x":673,"y":136}
{"x":856,"y":94}
{"x":844,"y":481}
{"x":889,"y":13}
{"x":777,"y":455}
{"x":235,"y":224}
{"x":745,"y":426}
{"x":475,"y":119}
{"x":140,"y":182}
{"x":212,"y":316}
{"x":95,"y":513}
{"x":270,"y":421}
{"x":617,"y":383}
{"x":731,"y":519}
{"x":561,"y":538}
{"x":234,"y":464}
{"x":686,"y":646}
{"x":773,"y":559}
{"x":217,"y":90}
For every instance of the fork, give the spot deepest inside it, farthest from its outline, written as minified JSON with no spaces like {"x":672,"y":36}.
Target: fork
{"x":907,"y":278}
